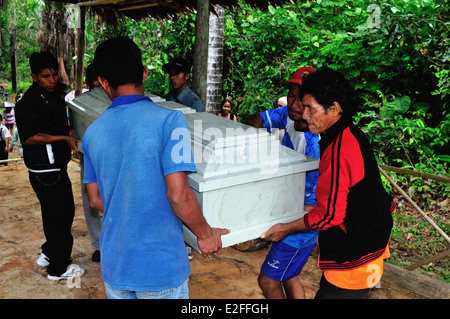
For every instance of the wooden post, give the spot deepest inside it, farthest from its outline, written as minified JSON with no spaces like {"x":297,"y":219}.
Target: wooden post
{"x":200,"y":63}
{"x":80,"y":52}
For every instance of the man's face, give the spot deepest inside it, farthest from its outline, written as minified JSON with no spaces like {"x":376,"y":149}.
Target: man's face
{"x":178,"y":79}
{"x":319,"y":119}
{"x":47,"y":79}
{"x":294,"y":102}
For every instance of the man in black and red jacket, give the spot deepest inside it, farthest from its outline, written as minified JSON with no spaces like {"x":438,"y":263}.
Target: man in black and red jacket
{"x":353,"y":212}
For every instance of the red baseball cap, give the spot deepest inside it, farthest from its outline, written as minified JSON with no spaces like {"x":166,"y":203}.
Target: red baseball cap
{"x":301,"y":73}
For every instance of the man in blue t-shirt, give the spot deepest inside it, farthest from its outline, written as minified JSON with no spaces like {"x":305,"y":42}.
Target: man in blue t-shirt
{"x":179,"y":71}
{"x":286,"y":258}
{"x":135,"y":174}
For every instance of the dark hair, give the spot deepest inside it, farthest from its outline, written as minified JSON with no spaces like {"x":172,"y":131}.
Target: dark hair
{"x":225,"y":101}
{"x":43,"y":60}
{"x":328,"y":86}
{"x":119,"y":61}
{"x":91,"y":75}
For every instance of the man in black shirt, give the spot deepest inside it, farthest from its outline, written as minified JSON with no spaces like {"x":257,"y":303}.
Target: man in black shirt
{"x":42,"y":122}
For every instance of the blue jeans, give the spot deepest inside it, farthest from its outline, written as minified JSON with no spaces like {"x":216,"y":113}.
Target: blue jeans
{"x":180,"y":292}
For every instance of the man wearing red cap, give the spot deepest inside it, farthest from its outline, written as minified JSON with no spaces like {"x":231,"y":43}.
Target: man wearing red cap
{"x":286,"y":258}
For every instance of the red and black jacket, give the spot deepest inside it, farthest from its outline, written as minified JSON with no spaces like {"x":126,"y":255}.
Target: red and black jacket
{"x":354,"y":212}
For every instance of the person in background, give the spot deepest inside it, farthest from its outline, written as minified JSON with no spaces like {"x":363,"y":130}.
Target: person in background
{"x":225,"y":112}
{"x":41,"y":120}
{"x":16,"y":140}
{"x":282,"y":101}
{"x":132,"y":175}
{"x":179,"y":71}
{"x":5,"y":136}
{"x":353,"y":212}
{"x":19,"y":95}
{"x":279,"y":277}
{"x":10,"y":120}
{"x":91,"y":215}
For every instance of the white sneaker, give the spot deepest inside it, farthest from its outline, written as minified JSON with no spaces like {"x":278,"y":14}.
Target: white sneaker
{"x":190,"y":252}
{"x":72,"y":270}
{"x":43,"y":260}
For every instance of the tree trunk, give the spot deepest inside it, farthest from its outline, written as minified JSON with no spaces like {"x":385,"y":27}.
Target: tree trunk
{"x":215,"y":61}
{"x":81,"y":42}
{"x":57,"y":37}
{"x":200,"y":66}
{"x":12,"y":46}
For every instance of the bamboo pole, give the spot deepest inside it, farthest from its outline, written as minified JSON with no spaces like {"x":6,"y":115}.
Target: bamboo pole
{"x":439,"y":178}
{"x":428,"y":260}
{"x":428,"y":219}
{"x":11,"y":160}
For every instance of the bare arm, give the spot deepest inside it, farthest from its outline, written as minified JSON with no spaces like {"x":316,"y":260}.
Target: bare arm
{"x":42,"y":138}
{"x":95,"y":201}
{"x":255,"y":120}
{"x":186,"y":207}
{"x":279,"y":231}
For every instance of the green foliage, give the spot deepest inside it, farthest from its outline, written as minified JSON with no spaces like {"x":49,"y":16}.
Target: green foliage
{"x":160,"y":41}
{"x":25,"y":16}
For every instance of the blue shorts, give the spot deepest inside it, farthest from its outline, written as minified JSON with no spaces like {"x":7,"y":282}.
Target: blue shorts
{"x":284,"y":262}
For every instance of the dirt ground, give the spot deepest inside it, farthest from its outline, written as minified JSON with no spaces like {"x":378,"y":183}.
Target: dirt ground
{"x":231,"y":276}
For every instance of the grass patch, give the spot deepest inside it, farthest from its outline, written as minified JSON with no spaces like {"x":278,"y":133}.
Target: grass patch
{"x":413,"y":239}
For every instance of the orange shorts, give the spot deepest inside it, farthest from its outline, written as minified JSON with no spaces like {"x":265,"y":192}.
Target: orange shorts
{"x":363,"y":277}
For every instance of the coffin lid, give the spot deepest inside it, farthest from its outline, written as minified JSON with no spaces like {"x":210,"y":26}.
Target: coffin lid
{"x":227,"y":153}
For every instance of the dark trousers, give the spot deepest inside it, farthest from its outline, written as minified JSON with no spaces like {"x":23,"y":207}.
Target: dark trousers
{"x":329,"y":291}
{"x":3,"y":154}
{"x":54,"y":191}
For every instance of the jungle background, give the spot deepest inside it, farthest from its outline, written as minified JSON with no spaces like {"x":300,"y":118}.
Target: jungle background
{"x":395,"y":53}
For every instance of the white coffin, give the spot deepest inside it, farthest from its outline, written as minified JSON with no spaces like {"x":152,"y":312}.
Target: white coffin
{"x":87,"y":107}
{"x":246,"y":181}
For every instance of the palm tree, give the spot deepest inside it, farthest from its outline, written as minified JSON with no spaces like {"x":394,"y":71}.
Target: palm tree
{"x":58,"y":38}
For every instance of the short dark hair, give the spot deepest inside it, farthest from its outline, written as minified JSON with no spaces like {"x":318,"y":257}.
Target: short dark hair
{"x":91,"y":75}
{"x":119,"y":61}
{"x":328,"y":86}
{"x":43,"y":60}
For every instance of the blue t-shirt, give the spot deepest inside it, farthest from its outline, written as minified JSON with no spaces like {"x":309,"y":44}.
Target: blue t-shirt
{"x":186,"y":97}
{"x":303,"y":142}
{"x":128,"y":151}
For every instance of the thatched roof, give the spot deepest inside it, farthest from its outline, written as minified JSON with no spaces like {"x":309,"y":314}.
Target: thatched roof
{"x":109,"y":10}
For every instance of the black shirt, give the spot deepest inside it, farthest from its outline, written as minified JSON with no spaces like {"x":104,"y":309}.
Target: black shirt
{"x":40,"y":111}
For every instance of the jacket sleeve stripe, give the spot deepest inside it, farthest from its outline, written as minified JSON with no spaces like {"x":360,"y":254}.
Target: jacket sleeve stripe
{"x":334,"y":186}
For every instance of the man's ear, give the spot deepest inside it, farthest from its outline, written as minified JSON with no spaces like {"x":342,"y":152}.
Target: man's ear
{"x":145,"y":74}
{"x":105,"y":85}
{"x":336,"y":108}
{"x":187,"y":76}
{"x":34,"y":77}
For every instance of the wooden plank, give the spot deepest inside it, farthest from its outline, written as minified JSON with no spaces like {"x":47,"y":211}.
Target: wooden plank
{"x":414,"y":283}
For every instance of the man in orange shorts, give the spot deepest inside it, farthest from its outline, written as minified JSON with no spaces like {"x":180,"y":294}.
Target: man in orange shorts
{"x":353,"y":212}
